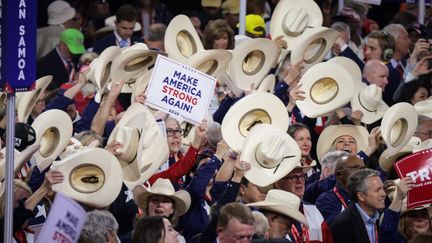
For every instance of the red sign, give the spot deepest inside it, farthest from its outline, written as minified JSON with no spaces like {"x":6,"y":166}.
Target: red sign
{"x":419,"y":167}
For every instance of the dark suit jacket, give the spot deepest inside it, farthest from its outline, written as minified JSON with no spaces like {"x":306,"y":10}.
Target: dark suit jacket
{"x":110,"y":40}
{"x":349,"y":227}
{"x":393,"y":83}
{"x":52,"y":64}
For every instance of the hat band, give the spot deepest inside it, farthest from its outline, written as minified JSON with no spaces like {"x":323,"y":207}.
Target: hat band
{"x":364,"y":107}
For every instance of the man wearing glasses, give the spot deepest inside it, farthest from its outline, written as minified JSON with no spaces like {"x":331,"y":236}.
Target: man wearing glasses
{"x":334,"y":201}
{"x":318,"y":230}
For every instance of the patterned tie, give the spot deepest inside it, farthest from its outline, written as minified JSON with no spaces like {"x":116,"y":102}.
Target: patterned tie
{"x":70,"y":68}
{"x":123,"y":43}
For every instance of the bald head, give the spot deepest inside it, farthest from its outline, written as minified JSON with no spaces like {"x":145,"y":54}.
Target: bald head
{"x":376,"y":72}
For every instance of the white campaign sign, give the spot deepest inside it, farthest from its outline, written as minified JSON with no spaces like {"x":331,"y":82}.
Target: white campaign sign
{"x":180,"y":90}
{"x":64,"y":223}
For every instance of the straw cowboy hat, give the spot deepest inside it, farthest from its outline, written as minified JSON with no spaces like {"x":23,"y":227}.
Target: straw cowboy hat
{"x":251,"y":62}
{"x":53,"y":131}
{"x":93,"y":177}
{"x":331,"y":133}
{"x":386,"y":161}
{"x":210,"y":62}
{"x":110,"y":23}
{"x":291,"y":18}
{"x":424,"y":108}
{"x":398,"y":126}
{"x":268,"y":84}
{"x":313,"y":45}
{"x":130,"y":63}
{"x":144,"y":147}
{"x":327,"y":87}
{"x":271,"y":152}
{"x":427,"y":144}
{"x":163,"y":187}
{"x":102,"y":67}
{"x":282,"y":202}
{"x":369,"y":101}
{"x":181,"y":39}
{"x":27,"y":100}
{"x":256,"y":108}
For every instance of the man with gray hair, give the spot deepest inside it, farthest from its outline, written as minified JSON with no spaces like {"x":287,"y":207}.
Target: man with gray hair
{"x":101,"y":226}
{"x":358,"y":223}
{"x":334,"y":201}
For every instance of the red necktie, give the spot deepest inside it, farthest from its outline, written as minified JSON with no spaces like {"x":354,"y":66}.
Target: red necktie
{"x":400,"y":69}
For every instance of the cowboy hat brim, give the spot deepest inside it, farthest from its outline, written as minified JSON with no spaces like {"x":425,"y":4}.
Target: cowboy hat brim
{"x":210,"y":62}
{"x":290,"y":19}
{"x":386,"y":161}
{"x":152,"y":149}
{"x":284,"y":210}
{"x":258,"y":174}
{"x":27,"y":100}
{"x":103,"y":66}
{"x":312,"y":46}
{"x":179,"y":31}
{"x":236,"y":124}
{"x":94,"y":189}
{"x":331,"y":133}
{"x":53,"y":132}
{"x":251,"y":62}
{"x":368,"y":115}
{"x":327,"y":87}
{"x":398,"y":126}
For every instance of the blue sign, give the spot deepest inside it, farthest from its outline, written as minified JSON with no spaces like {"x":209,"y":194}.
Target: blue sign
{"x":18,"y":44}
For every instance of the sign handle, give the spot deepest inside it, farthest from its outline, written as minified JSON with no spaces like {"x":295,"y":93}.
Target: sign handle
{"x":10,"y":145}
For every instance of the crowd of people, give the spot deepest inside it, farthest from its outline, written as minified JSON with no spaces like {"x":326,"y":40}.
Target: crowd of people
{"x":312,"y":108}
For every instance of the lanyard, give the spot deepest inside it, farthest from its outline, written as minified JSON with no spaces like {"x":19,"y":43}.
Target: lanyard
{"x":336,"y":191}
{"x":296,"y":234}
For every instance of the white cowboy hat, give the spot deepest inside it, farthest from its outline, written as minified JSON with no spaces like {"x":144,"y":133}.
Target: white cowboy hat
{"x":20,"y":158}
{"x":424,"y":108}
{"x":291,"y":18}
{"x":349,"y":65}
{"x":268,"y":84}
{"x":53,"y":131}
{"x":181,"y":39}
{"x":256,"y":108}
{"x":132,"y":62}
{"x":27,"y":100}
{"x":271,"y":152}
{"x":102,"y":72}
{"x":163,"y":187}
{"x":369,"y":101}
{"x":93,"y":177}
{"x":331,"y":133}
{"x":312,"y":46}
{"x":141,"y":84}
{"x":386,"y":161}
{"x":327,"y":87}
{"x":251,"y":62}
{"x":283,"y":202}
{"x":145,"y":148}
{"x":210,"y":62}
{"x":398,"y":126}
{"x":59,"y":12}
{"x":110,"y":23}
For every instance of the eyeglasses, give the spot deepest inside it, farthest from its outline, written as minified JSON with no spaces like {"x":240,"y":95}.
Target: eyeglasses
{"x":296,"y":178}
{"x":171,"y":132}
